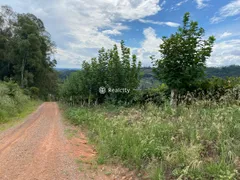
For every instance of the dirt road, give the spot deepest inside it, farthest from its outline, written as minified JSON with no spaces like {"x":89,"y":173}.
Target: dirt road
{"x":37,"y":149}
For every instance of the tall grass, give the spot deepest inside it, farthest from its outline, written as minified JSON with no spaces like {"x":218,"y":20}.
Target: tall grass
{"x":201,"y":141}
{"x":12,"y":101}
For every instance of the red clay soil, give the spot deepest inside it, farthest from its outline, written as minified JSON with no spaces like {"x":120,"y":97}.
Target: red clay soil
{"x":39,"y":150}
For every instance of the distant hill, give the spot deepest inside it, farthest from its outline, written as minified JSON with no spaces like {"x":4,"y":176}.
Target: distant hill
{"x":148,"y":80}
{"x":223,"y":72}
{"x":64,"y":73}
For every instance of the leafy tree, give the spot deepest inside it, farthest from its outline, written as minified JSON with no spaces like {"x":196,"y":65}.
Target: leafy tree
{"x":183,"y":57}
{"x":7,"y":20}
{"x":25,"y":52}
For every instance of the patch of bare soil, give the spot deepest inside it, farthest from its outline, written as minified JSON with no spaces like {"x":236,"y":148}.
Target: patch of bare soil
{"x":86,"y":158}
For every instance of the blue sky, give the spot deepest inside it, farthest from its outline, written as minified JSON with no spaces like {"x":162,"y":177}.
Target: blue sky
{"x":80,"y":27}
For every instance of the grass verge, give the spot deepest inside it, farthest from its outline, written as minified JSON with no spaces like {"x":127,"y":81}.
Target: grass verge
{"x":201,"y":141}
{"x":29,"y":107}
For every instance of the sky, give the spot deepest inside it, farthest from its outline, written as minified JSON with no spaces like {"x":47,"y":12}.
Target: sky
{"x":80,"y":28}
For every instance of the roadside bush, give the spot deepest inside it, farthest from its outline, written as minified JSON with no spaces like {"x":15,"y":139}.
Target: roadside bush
{"x":12,"y":100}
{"x":34,"y":92}
{"x":216,"y":90}
{"x":158,"y":95}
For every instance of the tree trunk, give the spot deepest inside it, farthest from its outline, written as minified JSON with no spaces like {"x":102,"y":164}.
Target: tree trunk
{"x":96,"y":102}
{"x":173,"y":101}
{"x":89,"y":98}
{"x":22,"y":73}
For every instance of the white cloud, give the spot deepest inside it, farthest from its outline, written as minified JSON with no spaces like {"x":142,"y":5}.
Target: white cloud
{"x":225,"y":34}
{"x":171,"y":24}
{"x":229,"y":10}
{"x":225,"y":53}
{"x":201,"y":3}
{"x":112,"y":32}
{"x":69,"y":59}
{"x":81,"y":27}
{"x":163,"y":3}
{"x":151,"y":42}
{"x":149,"y":46}
{"x":181,"y":2}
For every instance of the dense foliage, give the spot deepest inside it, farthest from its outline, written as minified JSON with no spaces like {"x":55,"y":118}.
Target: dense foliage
{"x":25,"y":52}
{"x":109,"y":70}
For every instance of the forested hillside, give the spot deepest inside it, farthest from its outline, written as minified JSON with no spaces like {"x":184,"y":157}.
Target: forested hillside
{"x":223,"y":72}
{"x":149,"y":80}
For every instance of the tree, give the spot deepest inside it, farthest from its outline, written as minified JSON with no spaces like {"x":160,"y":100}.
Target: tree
{"x":7,"y":20}
{"x":183,"y":57}
{"x":25,"y":52}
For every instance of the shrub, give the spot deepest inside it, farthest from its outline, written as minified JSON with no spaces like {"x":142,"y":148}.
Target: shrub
{"x":12,"y":100}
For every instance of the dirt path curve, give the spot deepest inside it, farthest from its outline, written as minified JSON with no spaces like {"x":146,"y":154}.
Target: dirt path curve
{"x":36,"y":150}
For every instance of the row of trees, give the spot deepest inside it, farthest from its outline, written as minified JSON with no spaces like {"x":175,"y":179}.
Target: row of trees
{"x":108,"y":70}
{"x":180,"y":70}
{"x":25,"y":52}
{"x":181,"y":66}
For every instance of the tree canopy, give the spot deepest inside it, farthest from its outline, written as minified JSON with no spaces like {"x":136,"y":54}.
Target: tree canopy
{"x":183,"y":55}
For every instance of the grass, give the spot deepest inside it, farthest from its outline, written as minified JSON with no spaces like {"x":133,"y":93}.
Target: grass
{"x":14,"y":105}
{"x":19,"y":117}
{"x":201,"y":141}
{"x":70,"y":133}
{"x":13,"y":102}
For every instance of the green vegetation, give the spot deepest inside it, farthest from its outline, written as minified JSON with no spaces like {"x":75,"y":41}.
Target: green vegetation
{"x":25,"y":52}
{"x":148,"y":79}
{"x":109,"y":70}
{"x":13,"y":103}
{"x":70,"y":133}
{"x":223,"y":72}
{"x":26,"y":67}
{"x":197,"y":139}
{"x":200,"y":141}
{"x":21,"y":116}
{"x":183,"y":59}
